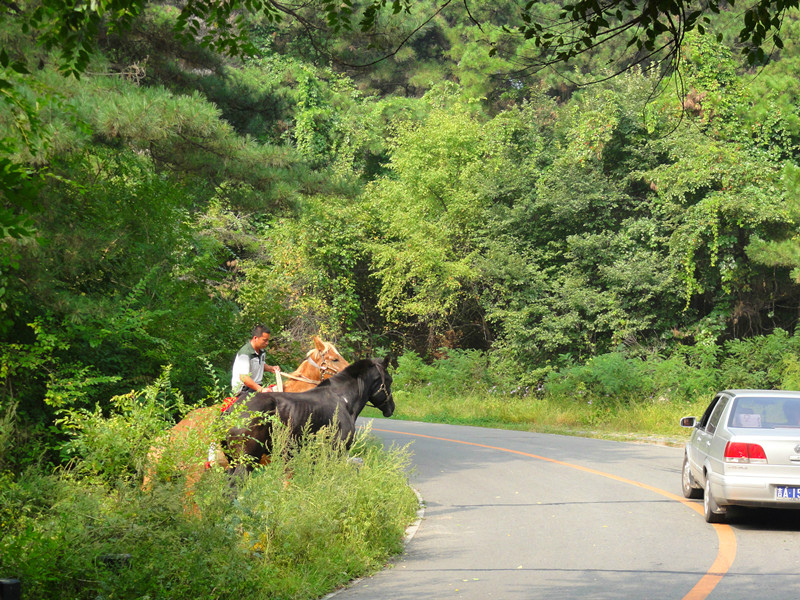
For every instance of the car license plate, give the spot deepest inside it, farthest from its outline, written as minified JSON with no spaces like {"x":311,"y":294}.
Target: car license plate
{"x":785,"y":492}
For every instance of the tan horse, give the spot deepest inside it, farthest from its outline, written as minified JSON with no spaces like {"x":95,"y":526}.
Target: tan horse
{"x":321,"y":362}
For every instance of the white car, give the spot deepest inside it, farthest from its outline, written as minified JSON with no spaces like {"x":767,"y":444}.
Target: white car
{"x":744,"y":451}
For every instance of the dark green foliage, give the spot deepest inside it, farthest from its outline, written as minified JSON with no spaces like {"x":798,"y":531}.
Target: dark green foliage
{"x":134,"y":269}
{"x":761,"y":362}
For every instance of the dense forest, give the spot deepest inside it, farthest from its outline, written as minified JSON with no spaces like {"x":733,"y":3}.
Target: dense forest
{"x":444,"y":199}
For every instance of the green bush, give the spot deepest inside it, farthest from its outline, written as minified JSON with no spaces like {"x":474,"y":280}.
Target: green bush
{"x":456,"y":372}
{"x":411,"y":371}
{"x":461,"y":370}
{"x":610,"y":375}
{"x":790,"y":379}
{"x":758,"y":362}
{"x":114,"y":447}
{"x":688,"y":373}
{"x":675,"y":379}
{"x":297,"y":528}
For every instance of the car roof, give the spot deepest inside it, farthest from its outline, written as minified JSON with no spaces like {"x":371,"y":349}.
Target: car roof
{"x":763,"y":393}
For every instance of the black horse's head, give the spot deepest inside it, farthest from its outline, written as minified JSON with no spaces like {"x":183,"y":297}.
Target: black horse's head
{"x":381,"y":398}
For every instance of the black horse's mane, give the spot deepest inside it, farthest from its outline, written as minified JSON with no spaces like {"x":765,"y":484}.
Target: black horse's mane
{"x":354,"y":370}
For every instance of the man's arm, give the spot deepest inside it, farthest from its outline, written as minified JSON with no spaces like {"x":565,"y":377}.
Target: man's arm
{"x":248,"y":381}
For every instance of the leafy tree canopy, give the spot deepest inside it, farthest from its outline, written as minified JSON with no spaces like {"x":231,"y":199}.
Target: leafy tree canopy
{"x":654,"y":29}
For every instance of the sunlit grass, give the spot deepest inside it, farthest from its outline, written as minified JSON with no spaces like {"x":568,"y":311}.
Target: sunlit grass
{"x":650,"y":419}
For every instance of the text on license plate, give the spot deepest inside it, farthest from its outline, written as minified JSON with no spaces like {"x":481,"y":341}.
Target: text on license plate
{"x":785,"y":492}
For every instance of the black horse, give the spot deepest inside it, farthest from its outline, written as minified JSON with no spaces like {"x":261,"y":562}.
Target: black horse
{"x":336,"y":401}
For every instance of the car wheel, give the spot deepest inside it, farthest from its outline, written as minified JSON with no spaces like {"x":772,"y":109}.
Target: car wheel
{"x":711,"y":510}
{"x":690,"y":487}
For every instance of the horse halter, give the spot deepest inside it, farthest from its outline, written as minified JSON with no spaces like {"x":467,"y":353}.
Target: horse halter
{"x":323,"y":367}
{"x":387,"y":395}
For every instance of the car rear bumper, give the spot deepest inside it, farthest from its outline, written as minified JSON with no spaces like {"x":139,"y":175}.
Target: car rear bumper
{"x":752,"y":491}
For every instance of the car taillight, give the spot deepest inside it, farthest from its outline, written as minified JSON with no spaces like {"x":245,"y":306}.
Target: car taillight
{"x":741,"y":452}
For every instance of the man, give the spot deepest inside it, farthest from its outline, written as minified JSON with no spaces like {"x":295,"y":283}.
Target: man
{"x":248,"y":371}
{"x":249,"y":364}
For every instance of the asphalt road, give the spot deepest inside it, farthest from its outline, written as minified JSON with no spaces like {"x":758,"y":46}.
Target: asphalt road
{"x":515,"y":515}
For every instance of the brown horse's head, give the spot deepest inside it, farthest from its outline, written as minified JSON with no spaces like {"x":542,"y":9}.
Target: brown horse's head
{"x":321,"y":362}
{"x":326,"y":358}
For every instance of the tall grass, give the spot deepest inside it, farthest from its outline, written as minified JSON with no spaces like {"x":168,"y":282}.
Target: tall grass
{"x":306,"y":523}
{"x":649,"y":419}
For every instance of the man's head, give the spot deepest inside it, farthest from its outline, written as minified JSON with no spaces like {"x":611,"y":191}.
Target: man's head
{"x":259,"y":337}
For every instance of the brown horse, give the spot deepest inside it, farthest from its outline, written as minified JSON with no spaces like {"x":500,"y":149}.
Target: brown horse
{"x":321,"y":362}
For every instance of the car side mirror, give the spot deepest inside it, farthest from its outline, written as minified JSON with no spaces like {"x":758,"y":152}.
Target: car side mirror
{"x":688,"y":421}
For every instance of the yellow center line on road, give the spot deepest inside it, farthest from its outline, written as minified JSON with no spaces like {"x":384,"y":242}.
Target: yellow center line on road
{"x":726,"y":552}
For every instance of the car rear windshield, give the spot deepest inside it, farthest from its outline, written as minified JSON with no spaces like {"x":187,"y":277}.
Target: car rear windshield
{"x":765,"y":413}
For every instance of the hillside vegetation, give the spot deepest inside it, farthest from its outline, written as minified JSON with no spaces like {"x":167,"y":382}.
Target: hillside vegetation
{"x":562,"y":252}
{"x":175,"y":197}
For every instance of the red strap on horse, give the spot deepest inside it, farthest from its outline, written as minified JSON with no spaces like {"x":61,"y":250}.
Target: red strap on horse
{"x":231,"y":399}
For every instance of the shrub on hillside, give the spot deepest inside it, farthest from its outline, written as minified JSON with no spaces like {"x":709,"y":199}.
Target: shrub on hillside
{"x":761,"y":362}
{"x":684,"y":376}
{"x":610,"y":375}
{"x":690,"y":372}
{"x":456,"y":372}
{"x":677,"y":379}
{"x":412,"y":371}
